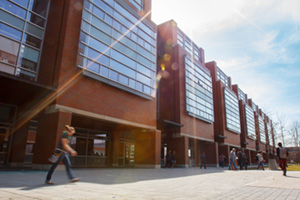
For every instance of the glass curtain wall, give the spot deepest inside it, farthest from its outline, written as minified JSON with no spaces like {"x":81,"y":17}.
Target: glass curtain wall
{"x":118,"y":46}
{"x":199,"y":97}
{"x":22,"y":27}
{"x":262,"y":132}
{"x":232,"y":112}
{"x":250,"y":122}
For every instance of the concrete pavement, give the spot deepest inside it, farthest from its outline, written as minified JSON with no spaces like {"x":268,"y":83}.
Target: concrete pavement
{"x":156,"y":184}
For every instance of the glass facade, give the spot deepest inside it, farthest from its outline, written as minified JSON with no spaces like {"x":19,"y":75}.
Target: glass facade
{"x":254,"y":107}
{"x":222,"y":77}
{"x":137,"y":3}
{"x":22,"y":27}
{"x":199,"y":97}
{"x":250,"y":122}
{"x":232,"y":111}
{"x":190,"y":47}
{"x":117,"y":45}
{"x":242,"y":96}
{"x":269,"y":131}
{"x":262,"y":132}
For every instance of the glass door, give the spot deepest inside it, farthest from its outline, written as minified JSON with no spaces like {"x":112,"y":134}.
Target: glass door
{"x":126,"y":154}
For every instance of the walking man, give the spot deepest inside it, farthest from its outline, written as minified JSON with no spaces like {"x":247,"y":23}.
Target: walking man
{"x":65,"y":149}
{"x":282,"y":154}
{"x":232,"y":158}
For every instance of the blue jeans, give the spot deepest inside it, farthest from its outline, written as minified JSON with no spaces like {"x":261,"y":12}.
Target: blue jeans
{"x":66,"y":160}
{"x":222,"y":163}
{"x":232,"y":163}
{"x":261,"y":163}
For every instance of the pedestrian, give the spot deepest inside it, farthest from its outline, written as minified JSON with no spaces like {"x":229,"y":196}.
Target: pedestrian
{"x":63,"y":150}
{"x":282,"y":154}
{"x":240,"y":159}
{"x":232,"y":158}
{"x":245,"y":158}
{"x":203,"y":161}
{"x":222,"y":160}
{"x":260,"y":160}
{"x":173,"y":159}
{"x":168,"y":159}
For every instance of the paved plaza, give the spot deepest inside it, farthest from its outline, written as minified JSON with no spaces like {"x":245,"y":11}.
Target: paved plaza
{"x":139,"y":184}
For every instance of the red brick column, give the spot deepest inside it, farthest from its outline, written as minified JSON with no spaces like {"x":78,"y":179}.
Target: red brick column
{"x":114,"y":148}
{"x":148,"y":149}
{"x":49,"y":129}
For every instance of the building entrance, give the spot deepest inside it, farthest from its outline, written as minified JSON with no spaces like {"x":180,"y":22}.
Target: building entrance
{"x":7,"y":115}
{"x":127,"y":149}
{"x":91,"y":146}
{"x":126,"y":154}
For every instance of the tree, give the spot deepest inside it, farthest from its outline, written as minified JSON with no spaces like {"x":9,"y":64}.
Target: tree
{"x":294,"y":133}
{"x":280,"y":125}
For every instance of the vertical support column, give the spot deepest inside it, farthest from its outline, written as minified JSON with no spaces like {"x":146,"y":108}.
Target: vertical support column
{"x":114,"y":149}
{"x":18,"y":146}
{"x":148,"y":149}
{"x":225,"y":150}
{"x":49,"y":129}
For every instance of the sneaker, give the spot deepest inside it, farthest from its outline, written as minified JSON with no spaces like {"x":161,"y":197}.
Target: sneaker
{"x":49,"y":182}
{"x":75,"y":179}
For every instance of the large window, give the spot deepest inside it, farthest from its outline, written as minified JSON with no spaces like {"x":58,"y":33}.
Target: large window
{"x":250,"y":122}
{"x":242,"y":96}
{"x":199,"y":97}
{"x":222,"y":77}
{"x":232,"y":111}
{"x":22,"y":26}
{"x":118,"y":46}
{"x":190,"y":47}
{"x":262,"y":132}
{"x":137,"y":3}
{"x":269,"y":132}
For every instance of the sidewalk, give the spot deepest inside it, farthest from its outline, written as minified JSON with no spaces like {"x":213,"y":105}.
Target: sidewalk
{"x":139,"y":184}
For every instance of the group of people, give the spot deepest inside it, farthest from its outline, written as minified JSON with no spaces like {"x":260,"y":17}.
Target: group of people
{"x":239,"y":158}
{"x":242,"y":159}
{"x":170,"y":159}
{"x":65,"y":150}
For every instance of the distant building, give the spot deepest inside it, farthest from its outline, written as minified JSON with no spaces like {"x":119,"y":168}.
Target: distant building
{"x":185,"y":98}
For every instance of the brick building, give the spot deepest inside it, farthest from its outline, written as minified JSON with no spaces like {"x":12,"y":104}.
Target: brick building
{"x":185,"y":99}
{"x":133,"y":90}
{"x":90,"y":64}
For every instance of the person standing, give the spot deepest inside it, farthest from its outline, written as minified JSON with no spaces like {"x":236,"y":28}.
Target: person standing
{"x":282,"y":154}
{"x":203,"y":161}
{"x":260,"y":160}
{"x":168,"y":159}
{"x":64,"y":148}
{"x":222,"y":160}
{"x":232,"y":158}
{"x":173,"y":159}
{"x":245,"y":159}
{"x":240,"y":159}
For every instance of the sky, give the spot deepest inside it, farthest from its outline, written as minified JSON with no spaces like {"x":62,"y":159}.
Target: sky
{"x":255,"y":42}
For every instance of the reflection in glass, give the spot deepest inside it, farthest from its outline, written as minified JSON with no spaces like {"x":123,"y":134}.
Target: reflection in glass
{"x":29,"y":58}
{"x":36,"y":19}
{"x":8,"y":50}
{"x":26,"y":74}
{"x":10,"y":32}
{"x":34,"y":30}
{"x":33,"y":41}
{"x":39,"y":6}
{"x":12,"y":20}
{"x":6,"y":5}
